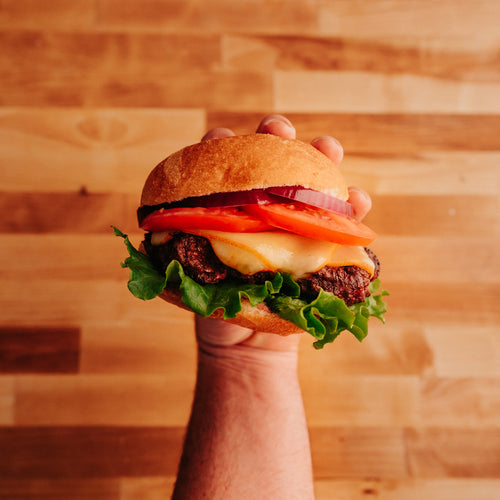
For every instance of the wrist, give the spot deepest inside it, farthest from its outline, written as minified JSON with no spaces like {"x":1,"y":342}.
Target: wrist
{"x":249,"y":359}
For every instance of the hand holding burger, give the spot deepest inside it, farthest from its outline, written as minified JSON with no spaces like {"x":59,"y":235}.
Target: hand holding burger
{"x":260,"y":231}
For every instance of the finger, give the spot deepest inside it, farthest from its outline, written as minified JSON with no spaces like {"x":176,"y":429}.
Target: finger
{"x":277,"y":125}
{"x":360,"y":201}
{"x":218,"y":133}
{"x":330,"y":147}
{"x":358,"y":198}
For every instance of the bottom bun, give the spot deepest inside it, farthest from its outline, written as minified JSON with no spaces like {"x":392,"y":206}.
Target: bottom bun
{"x":259,"y":318}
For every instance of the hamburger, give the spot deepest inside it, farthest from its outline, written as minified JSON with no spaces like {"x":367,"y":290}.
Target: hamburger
{"x":256,"y":230}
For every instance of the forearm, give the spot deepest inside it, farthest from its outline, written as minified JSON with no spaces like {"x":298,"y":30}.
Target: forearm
{"x":247,"y":436}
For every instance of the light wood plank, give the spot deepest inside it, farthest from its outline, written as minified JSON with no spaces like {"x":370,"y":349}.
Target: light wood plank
{"x":99,"y":149}
{"x":140,"y":347}
{"x":356,"y":92}
{"x":358,"y":452}
{"x":57,"y":302}
{"x":69,"y":302}
{"x":85,"y":257}
{"x":445,"y":216}
{"x":101,"y":400}
{"x":146,"y":488}
{"x":7,"y":400}
{"x":398,"y":348}
{"x":415,"y":259}
{"x":453,"y":453}
{"x":446,"y":24}
{"x":336,"y":489}
{"x":476,"y":308}
{"x":470,"y":403}
{"x":407,"y":489}
{"x":83,"y":140}
{"x":431,"y":259}
{"x":383,"y":402}
{"x":462,"y":350}
{"x":456,"y":173}
{"x":412,"y":347}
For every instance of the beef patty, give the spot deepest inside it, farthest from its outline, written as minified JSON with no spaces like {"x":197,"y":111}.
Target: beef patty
{"x":200,"y":263}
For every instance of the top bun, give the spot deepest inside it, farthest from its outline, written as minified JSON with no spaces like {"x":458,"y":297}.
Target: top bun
{"x":240,"y":163}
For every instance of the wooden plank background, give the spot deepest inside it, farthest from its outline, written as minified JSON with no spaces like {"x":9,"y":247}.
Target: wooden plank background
{"x":96,"y":386}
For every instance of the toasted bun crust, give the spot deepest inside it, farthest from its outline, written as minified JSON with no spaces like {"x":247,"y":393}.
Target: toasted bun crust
{"x":259,"y":318}
{"x":240,"y":163}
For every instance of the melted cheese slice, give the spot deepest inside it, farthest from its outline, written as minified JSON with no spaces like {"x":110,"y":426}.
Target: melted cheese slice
{"x":351,"y":256}
{"x":250,"y":253}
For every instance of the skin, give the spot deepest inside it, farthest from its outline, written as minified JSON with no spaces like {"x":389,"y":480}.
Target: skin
{"x":247,"y":435}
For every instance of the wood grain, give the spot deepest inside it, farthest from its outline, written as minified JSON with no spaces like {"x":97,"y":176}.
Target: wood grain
{"x":39,"y":350}
{"x":89,"y":452}
{"x":386,"y":134}
{"x":96,"y":386}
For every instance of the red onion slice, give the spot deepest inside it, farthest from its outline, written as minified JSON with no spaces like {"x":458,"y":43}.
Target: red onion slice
{"x":231,"y":199}
{"x":256,"y":197}
{"x":215,"y":200}
{"x":313,"y":198}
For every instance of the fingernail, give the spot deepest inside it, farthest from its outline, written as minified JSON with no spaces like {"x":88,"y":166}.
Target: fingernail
{"x":218,"y":133}
{"x":329,"y":146}
{"x":279,"y":125}
{"x":276,"y":118}
{"x":361,"y":193}
{"x":326,"y":138}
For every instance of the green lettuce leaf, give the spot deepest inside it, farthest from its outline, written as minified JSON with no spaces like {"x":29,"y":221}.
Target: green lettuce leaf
{"x":206,"y":299}
{"x":145,"y":282}
{"x":324,"y":318}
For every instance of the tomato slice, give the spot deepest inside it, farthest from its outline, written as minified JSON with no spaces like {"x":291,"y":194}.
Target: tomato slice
{"x":232,"y":220}
{"x":315,"y":223}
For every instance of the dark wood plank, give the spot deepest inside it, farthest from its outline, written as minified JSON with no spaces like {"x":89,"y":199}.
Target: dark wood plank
{"x":88,"y":452}
{"x":95,"y":213}
{"x":261,"y":15}
{"x":67,"y":212}
{"x":75,"y":69}
{"x":60,"y":489}
{"x":76,"y":56}
{"x":39,"y":350}
{"x":22,"y":14}
{"x":320,"y":53}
